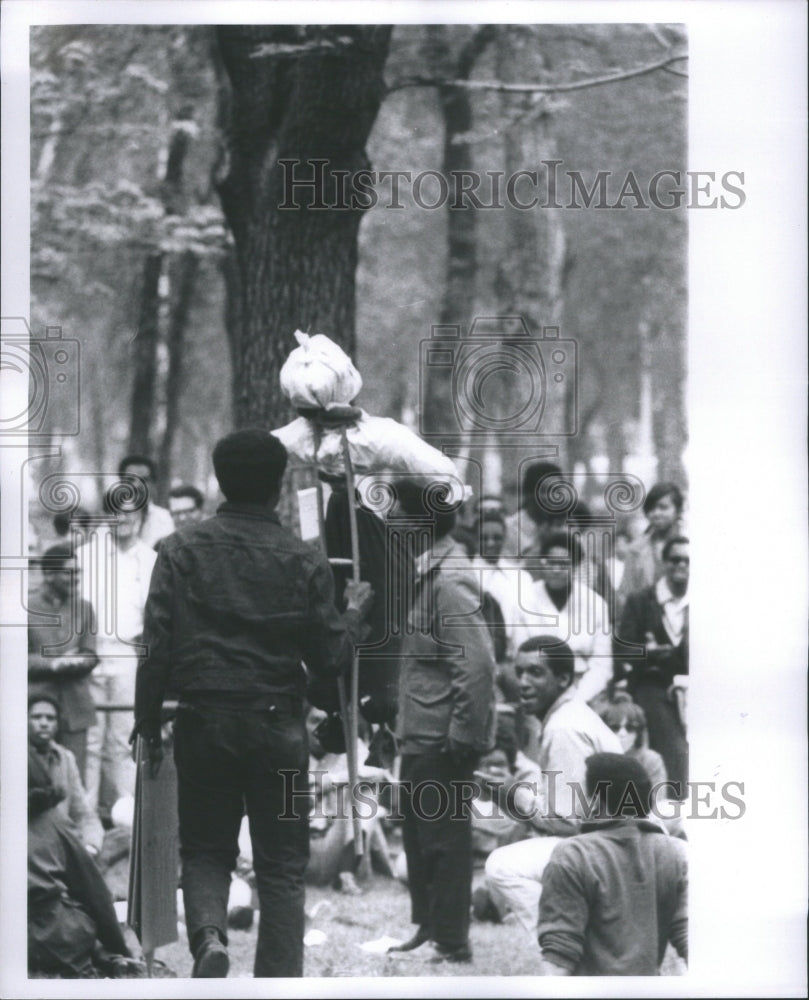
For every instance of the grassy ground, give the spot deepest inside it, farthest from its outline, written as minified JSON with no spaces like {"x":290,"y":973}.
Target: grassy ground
{"x":383,"y":908}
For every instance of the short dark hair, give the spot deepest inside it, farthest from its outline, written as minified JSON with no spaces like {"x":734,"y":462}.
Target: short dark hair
{"x":35,"y":695}
{"x":622,"y":784}
{"x":57,"y":554}
{"x":135,"y":459}
{"x":531,"y":478}
{"x":65,"y":518}
{"x":562,"y":540}
{"x":558,"y":654}
{"x":249,"y":465}
{"x":671,"y":542}
{"x":661,"y":490}
{"x":186,"y":490}
{"x":430,"y":498}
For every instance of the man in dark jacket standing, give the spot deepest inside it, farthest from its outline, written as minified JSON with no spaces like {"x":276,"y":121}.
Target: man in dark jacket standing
{"x":446,"y":722}
{"x":657,"y":617}
{"x":236,"y":604}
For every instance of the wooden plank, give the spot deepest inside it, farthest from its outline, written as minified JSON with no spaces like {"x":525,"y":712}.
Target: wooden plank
{"x":155,"y":854}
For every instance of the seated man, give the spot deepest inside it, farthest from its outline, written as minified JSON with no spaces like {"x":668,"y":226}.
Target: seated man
{"x":614,"y":896}
{"x":73,"y":931}
{"x":332,"y":858}
{"x":571,"y":732}
{"x":60,"y":764}
{"x":62,"y":648}
{"x":492,"y":827}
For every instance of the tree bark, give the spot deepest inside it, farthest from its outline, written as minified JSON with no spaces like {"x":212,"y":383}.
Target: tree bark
{"x":531,"y":283}
{"x":148,"y":335}
{"x":145,"y":357}
{"x":186,"y":277}
{"x":313,"y":92}
{"x":458,"y":303}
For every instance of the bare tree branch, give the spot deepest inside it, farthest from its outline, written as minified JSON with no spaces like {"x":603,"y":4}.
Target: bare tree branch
{"x":536,"y":88}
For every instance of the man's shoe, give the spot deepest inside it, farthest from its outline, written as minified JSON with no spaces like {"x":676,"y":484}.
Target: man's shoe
{"x":421,"y":936}
{"x":460,"y":953}
{"x":211,"y":960}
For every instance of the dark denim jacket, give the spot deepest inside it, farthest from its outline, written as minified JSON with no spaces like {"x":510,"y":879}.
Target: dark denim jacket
{"x":235,"y":604}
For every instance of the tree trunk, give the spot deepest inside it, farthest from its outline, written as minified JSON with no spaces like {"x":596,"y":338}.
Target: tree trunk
{"x":458,"y":303}
{"x":148,"y":335}
{"x":531,"y":281}
{"x":145,"y":357}
{"x":187,"y":270}
{"x":314,"y":93}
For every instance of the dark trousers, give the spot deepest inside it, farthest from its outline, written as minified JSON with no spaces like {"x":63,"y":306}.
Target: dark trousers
{"x":227,"y":760}
{"x":666,"y":734}
{"x":437,"y":835}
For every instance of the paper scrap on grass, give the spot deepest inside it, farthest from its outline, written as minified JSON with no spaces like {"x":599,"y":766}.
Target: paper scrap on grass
{"x":380,"y":945}
{"x":314,"y":937}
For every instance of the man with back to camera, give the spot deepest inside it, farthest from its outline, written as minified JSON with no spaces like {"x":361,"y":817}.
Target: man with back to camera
{"x":236,"y":603}
{"x":614,"y":896}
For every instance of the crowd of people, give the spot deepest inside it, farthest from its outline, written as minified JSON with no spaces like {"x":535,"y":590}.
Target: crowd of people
{"x":540,"y":712}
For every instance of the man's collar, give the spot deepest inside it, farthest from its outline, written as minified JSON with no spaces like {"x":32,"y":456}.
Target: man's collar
{"x":647,"y":824}
{"x":430,"y":558}
{"x":664,"y":594}
{"x":566,"y":696}
{"x":257,"y":510}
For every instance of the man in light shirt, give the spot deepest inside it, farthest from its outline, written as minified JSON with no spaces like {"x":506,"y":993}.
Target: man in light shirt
{"x":157,"y":522}
{"x":571,"y":732}
{"x":116,"y":567}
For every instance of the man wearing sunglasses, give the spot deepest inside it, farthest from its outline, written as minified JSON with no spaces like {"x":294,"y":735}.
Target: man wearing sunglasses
{"x":657,"y":618}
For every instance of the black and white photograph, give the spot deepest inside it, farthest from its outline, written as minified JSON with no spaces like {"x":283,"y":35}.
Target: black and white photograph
{"x":370,"y":372}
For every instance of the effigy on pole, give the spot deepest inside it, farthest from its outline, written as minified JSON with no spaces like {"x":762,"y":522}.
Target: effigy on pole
{"x":341,"y":441}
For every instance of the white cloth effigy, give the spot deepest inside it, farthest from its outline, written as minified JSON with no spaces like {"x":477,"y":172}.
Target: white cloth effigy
{"x":319,"y":376}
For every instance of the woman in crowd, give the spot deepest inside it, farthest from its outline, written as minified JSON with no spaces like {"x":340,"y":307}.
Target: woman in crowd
{"x":643,"y":565}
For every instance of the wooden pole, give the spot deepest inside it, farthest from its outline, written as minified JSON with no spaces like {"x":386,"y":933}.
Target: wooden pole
{"x":354,"y":693}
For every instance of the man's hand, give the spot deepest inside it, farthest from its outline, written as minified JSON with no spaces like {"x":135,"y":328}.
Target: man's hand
{"x":152,"y":741}
{"x":662,"y":652}
{"x":359,"y":596}
{"x":549,"y":968}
